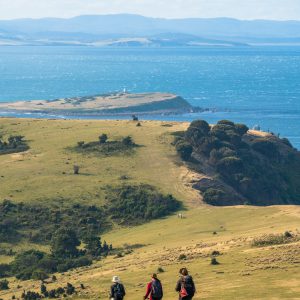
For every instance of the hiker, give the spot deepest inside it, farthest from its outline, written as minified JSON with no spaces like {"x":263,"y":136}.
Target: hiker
{"x":185,"y":285}
{"x":154,"y":289}
{"x":117,"y":290}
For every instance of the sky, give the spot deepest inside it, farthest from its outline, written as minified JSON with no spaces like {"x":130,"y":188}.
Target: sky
{"x":240,"y":9}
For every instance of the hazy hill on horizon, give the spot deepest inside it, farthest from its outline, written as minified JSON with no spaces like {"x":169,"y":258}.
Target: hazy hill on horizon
{"x":193,"y":31}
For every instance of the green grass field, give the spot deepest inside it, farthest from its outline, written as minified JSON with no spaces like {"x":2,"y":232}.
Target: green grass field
{"x":45,"y":173}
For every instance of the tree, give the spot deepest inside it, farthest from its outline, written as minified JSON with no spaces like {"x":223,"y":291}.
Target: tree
{"x":127,"y":141}
{"x":4,"y":285}
{"x":184,"y":149}
{"x":196,"y":131}
{"x":43,"y":289}
{"x":93,"y":245}
{"x":103,"y":138}
{"x":241,"y":129}
{"x":64,"y":243}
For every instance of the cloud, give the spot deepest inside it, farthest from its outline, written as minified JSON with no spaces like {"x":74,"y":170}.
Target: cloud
{"x":242,"y":9}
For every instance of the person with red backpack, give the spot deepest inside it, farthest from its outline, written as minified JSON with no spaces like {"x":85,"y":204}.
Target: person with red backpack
{"x":185,"y":285}
{"x":154,"y":289}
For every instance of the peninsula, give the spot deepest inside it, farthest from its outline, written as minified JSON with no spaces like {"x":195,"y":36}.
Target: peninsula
{"x":108,"y":104}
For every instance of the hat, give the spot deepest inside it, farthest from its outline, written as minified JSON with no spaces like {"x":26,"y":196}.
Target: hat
{"x":115,"y":279}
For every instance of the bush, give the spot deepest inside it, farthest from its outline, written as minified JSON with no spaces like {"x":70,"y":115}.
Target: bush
{"x":230,"y":165}
{"x":264,"y":147}
{"x":160,"y":270}
{"x":213,"y":196}
{"x":241,"y":129}
{"x":103,"y":138}
{"x":64,"y":243}
{"x":182,"y":257}
{"x":105,"y":147}
{"x":196,"y":131}
{"x":214,"y":261}
{"x":13,"y":144}
{"x":4,"y":285}
{"x":135,"y":204}
{"x":41,"y":221}
{"x":184,"y":149}
{"x":273,"y":239}
{"x":128,"y":141}
{"x":5,"y":270}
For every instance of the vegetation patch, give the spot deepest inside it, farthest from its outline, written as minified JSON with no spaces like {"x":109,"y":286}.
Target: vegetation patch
{"x":65,"y":254}
{"x":136,"y":204}
{"x":274,"y":239}
{"x":37,"y":223}
{"x":13,"y":144}
{"x":245,"y":168}
{"x":107,"y":147}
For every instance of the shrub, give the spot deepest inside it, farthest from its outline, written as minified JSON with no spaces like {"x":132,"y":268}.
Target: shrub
{"x":135,"y":204}
{"x":213,"y":196}
{"x":182,"y":257}
{"x":160,"y":270}
{"x":241,"y":129}
{"x":214,"y":261}
{"x":64,"y":243}
{"x":184,"y":149}
{"x":226,"y":122}
{"x":127,"y":141}
{"x":230,"y":165}
{"x":103,"y":138}
{"x":105,"y":147}
{"x":264,"y":147}
{"x":5,"y":270}
{"x":215,"y":253}
{"x":13,"y":144}
{"x":196,"y":131}
{"x":4,"y":285}
{"x":273,"y":239}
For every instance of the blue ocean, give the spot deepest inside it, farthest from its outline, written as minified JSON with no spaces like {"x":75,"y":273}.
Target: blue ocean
{"x":253,"y":85}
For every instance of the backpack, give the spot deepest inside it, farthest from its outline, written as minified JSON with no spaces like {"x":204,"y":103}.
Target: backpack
{"x":156,"y":289}
{"x":188,"y":285}
{"x":118,"y":291}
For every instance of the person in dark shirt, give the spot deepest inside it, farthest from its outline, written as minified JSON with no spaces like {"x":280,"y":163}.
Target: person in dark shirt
{"x":117,"y":290}
{"x":185,"y":285}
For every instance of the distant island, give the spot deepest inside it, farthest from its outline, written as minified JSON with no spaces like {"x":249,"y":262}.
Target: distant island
{"x":109,"y":104}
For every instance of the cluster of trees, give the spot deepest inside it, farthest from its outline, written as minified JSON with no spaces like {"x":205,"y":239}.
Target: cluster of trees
{"x":54,"y":293}
{"x":38,"y":223}
{"x":105,"y":146}
{"x":135,"y":204}
{"x":260,"y":169}
{"x":72,"y":232}
{"x":65,"y":255}
{"x":13,"y":144}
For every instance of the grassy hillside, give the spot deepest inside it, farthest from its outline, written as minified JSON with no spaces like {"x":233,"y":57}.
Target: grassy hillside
{"x":44,"y":174}
{"x":46,"y":170}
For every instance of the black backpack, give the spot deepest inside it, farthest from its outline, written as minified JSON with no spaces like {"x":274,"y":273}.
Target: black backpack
{"x":118,"y":291}
{"x":188,"y":284}
{"x":156,"y":291}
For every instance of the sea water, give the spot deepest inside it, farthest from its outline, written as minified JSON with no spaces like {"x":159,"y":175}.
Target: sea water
{"x":252,"y":85}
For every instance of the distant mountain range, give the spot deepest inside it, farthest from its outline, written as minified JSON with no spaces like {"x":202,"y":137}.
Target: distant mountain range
{"x":134,"y":30}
